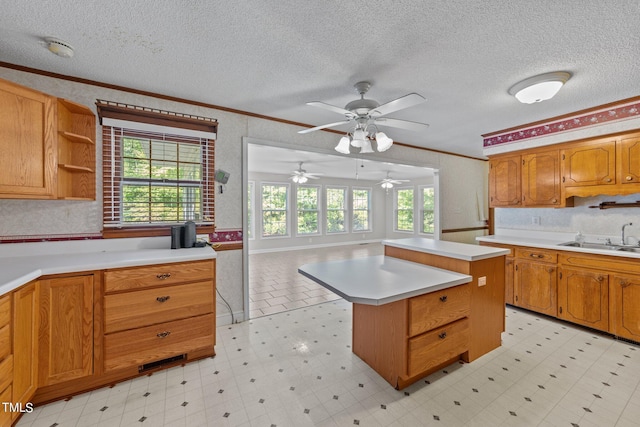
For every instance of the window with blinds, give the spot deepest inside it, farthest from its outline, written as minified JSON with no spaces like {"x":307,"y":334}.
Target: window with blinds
{"x":155,"y":175}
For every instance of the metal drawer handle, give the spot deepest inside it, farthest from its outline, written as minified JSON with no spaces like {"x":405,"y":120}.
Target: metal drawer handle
{"x":163,"y":299}
{"x":163,"y":276}
{"x":163,"y":334}
{"x":443,"y":298}
{"x":536,"y":255}
{"x":442,"y":335}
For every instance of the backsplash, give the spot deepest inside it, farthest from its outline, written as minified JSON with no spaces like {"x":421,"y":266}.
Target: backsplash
{"x":593,"y":222}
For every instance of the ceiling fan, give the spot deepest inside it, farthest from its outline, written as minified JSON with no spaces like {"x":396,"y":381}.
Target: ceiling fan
{"x":367,"y":115}
{"x":388,"y":182}
{"x":300,"y":176}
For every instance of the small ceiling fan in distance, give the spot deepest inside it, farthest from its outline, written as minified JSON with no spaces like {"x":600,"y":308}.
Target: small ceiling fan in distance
{"x":300,"y":176}
{"x":367,"y":115}
{"x":389,"y":182}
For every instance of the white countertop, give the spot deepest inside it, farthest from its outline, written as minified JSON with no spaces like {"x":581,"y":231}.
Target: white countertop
{"x":463,"y":251}
{"x":61,"y":257}
{"x":551,"y":243}
{"x":378,"y":280}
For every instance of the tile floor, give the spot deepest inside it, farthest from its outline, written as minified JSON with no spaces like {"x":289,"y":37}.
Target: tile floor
{"x":275,"y":284}
{"x":296,"y":368}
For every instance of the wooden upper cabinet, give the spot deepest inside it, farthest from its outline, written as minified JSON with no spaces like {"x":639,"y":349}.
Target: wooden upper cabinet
{"x":588,"y":164}
{"x":27,"y":142}
{"x":47,"y":145}
{"x":630,"y":160}
{"x":504,"y":181}
{"x":541,"y":184}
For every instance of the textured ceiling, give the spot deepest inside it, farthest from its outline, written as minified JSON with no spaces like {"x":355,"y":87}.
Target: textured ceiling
{"x":270,"y":57}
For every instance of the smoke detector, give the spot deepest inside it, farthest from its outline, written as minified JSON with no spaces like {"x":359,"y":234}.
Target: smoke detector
{"x":59,"y":47}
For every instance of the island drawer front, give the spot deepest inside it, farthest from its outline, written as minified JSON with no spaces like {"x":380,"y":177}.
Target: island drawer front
{"x":438,"y":308}
{"x":151,"y":306}
{"x":6,"y":373}
{"x":124,"y":279}
{"x":153,"y":343}
{"x":537,"y":254}
{"x":438,"y":346}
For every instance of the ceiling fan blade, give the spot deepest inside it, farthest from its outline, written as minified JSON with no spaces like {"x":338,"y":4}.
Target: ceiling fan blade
{"x":403,"y":124}
{"x":397,"y":104}
{"x":329,"y":125}
{"x":330,"y":107}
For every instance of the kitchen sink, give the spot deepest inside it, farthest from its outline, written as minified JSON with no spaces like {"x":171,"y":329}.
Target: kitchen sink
{"x":586,"y":245}
{"x":629,"y":249}
{"x":602,"y":246}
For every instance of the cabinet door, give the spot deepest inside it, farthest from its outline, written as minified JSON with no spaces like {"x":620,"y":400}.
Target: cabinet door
{"x":630,"y":160}
{"x":504,"y":181}
{"x":541,"y":179}
{"x":508,"y":279}
{"x":27,"y":143}
{"x":625,"y":306}
{"x":536,"y":286}
{"x":583,"y":297}
{"x":25,"y":343}
{"x":65,"y":329}
{"x":589,"y":164}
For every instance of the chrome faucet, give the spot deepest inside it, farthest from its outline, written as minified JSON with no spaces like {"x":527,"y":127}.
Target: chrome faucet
{"x":623,"y":227}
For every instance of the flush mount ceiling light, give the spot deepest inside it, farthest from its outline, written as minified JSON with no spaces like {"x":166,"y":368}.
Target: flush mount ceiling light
{"x":59,"y":47}
{"x":540,"y":87}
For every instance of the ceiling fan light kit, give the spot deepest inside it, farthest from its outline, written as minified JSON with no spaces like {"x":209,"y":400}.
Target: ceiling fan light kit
{"x":301,"y":176}
{"x":539,"y":88}
{"x":368,"y":115}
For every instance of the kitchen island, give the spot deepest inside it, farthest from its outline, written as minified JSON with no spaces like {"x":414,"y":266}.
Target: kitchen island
{"x":410,"y":317}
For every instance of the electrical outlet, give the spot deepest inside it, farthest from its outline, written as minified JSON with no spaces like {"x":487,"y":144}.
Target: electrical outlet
{"x":535,"y":220}
{"x":482,"y":281}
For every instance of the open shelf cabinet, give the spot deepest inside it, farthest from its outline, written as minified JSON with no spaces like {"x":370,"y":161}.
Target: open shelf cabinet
{"x":76,"y":151}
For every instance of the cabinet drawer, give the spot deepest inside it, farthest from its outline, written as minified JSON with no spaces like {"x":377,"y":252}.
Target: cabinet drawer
{"x":438,"y":308}
{"x":138,"y":346}
{"x":150,"y":306}
{"x":157,"y":275}
{"x":438,"y":346}
{"x":5,"y":310}
{"x":6,"y":373}
{"x":5,"y":341}
{"x":537,"y":255}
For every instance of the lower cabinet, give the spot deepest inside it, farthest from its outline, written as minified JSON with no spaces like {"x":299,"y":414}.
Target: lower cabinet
{"x":25,"y":344}
{"x":598,"y":291}
{"x":405,"y":340}
{"x":535,"y":280}
{"x":155,"y":314}
{"x":6,"y":358}
{"x":583,"y":297}
{"x":65,"y":332}
{"x":625,"y":306}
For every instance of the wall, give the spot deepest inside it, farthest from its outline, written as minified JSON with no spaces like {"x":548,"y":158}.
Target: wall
{"x":460,"y":178}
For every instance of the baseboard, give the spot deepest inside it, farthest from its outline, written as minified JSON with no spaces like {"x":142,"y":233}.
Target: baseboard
{"x":226,"y":319}
{"x":323,"y":245}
